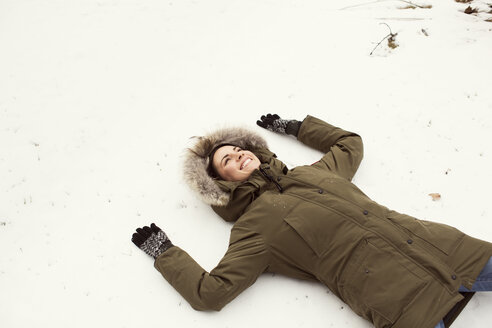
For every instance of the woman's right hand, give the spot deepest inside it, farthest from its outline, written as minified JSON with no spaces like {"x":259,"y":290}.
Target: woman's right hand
{"x":152,"y":240}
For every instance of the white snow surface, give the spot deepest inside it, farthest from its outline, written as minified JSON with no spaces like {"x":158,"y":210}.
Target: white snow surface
{"x":99,"y":99}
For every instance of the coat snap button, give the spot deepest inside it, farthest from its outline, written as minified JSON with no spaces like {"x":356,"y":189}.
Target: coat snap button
{"x":453,"y":277}
{"x":320,"y":191}
{"x":409,"y":241}
{"x":365,"y":212}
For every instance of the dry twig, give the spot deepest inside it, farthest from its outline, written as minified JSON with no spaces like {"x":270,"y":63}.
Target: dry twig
{"x":372,"y":2}
{"x":391,"y":40}
{"x":416,"y":5}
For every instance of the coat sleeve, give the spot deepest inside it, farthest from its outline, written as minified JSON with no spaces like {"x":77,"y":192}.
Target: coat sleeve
{"x":344,"y":150}
{"x":245,"y":260}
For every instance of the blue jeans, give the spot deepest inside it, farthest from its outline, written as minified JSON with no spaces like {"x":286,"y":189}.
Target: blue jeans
{"x":482,"y":284}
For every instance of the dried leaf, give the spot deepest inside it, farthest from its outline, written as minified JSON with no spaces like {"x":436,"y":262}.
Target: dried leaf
{"x":435,"y":196}
{"x":392,"y":41}
{"x":469,"y":10}
{"x":463,"y":1}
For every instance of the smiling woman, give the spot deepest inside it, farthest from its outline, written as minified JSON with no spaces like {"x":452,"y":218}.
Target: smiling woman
{"x":311,"y":222}
{"x":233,"y":163}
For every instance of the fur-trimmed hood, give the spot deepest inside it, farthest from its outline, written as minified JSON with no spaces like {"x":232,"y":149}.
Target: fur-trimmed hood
{"x":197,"y":161}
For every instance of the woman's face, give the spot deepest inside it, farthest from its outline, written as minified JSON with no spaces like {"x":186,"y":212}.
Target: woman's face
{"x":234,"y":164}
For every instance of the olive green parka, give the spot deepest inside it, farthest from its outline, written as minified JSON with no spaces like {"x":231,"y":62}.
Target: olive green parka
{"x":311,"y":222}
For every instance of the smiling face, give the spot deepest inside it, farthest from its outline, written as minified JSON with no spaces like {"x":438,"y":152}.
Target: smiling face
{"x":234,"y":164}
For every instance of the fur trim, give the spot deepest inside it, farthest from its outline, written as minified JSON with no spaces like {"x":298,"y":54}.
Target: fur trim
{"x":196,"y":161}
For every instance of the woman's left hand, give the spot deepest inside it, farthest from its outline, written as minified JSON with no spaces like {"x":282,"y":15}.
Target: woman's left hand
{"x":275,"y":124}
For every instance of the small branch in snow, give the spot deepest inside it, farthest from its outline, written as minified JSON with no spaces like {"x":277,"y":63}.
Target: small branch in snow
{"x":361,"y":4}
{"x":370,"y":3}
{"x":416,"y":5}
{"x":391,"y":39}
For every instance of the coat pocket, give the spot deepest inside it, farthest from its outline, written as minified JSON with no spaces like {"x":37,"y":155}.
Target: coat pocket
{"x":310,"y":237}
{"x":324,"y":230}
{"x":378,"y":283}
{"x":437,"y":236}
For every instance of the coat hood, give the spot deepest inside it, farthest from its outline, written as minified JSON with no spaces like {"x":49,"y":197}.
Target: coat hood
{"x":197,"y":161}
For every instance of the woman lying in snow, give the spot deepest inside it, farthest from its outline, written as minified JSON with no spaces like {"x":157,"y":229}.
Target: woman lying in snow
{"x":311,"y":222}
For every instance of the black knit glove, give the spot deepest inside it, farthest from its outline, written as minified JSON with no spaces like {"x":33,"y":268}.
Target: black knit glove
{"x":276,"y":124}
{"x":152,"y":240}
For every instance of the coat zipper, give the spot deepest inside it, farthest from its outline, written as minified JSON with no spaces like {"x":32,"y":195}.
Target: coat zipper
{"x":272,"y":179}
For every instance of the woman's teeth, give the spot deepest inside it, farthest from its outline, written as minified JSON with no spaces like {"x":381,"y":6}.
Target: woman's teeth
{"x":246,"y":162}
